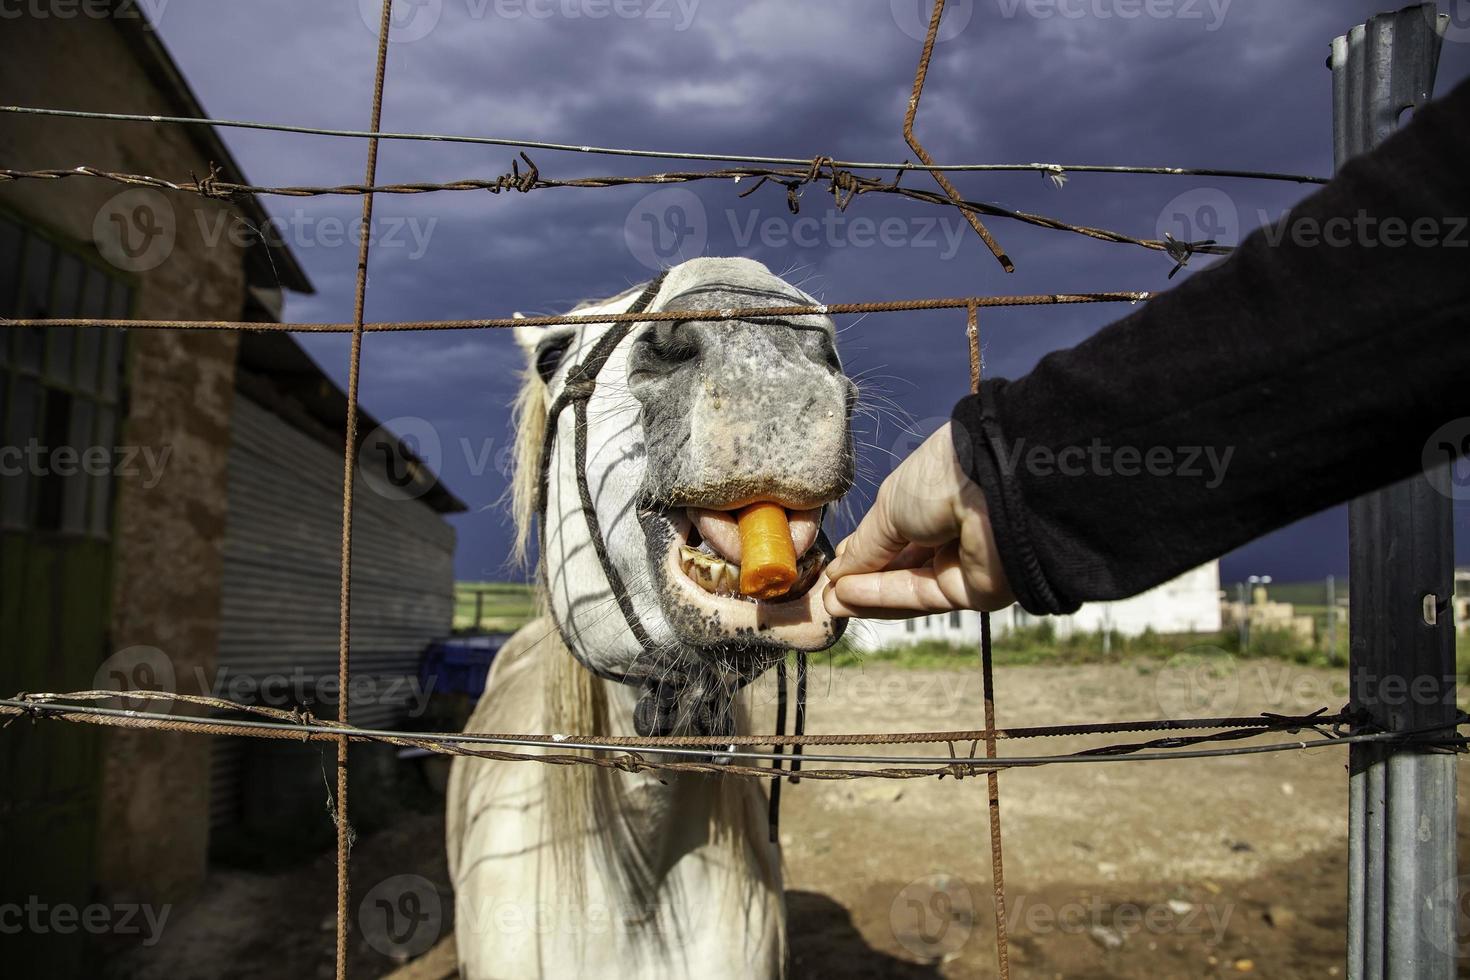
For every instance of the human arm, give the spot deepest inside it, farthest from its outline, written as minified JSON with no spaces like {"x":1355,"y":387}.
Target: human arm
{"x":1304,"y":370}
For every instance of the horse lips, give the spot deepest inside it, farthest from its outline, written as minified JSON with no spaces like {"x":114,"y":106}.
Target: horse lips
{"x":768,"y":558}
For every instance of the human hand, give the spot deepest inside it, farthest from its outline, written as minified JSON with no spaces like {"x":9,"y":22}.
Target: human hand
{"x":925,"y":546}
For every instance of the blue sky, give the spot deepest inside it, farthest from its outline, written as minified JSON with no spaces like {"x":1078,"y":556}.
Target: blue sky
{"x":1206,"y":83}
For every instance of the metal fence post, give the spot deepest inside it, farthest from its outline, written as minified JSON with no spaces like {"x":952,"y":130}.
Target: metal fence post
{"x":1402,"y":891}
{"x":1331,"y":619}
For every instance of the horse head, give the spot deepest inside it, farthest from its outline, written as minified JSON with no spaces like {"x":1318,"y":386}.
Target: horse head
{"x":638,"y":444}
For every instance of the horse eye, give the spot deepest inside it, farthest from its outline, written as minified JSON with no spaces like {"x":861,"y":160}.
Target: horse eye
{"x":549,"y":355}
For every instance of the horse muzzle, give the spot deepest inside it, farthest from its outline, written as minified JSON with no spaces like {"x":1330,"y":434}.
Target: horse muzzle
{"x":698,"y":574}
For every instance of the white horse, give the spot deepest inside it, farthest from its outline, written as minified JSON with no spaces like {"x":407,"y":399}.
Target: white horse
{"x":584,"y":872}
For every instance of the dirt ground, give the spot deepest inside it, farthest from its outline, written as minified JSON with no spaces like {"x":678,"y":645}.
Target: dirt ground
{"x":1205,"y":868}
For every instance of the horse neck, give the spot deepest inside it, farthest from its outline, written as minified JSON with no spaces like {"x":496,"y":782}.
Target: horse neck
{"x":634,"y":829}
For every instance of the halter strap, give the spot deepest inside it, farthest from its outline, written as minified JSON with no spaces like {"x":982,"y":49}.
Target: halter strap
{"x":580,"y":385}
{"x":672,"y":693}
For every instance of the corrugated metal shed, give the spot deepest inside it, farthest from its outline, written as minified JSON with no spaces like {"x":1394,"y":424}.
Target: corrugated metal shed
{"x":278,"y":621}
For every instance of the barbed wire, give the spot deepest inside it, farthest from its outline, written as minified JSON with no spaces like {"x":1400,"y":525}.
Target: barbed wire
{"x":500,"y":323}
{"x":1046,"y":169}
{"x":843,"y":185}
{"x":297,"y":716}
{"x":630,"y":754}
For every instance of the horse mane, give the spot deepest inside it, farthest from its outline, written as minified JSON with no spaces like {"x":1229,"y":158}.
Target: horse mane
{"x":528,"y":415}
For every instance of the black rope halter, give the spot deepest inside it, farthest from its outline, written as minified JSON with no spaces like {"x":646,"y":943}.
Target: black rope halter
{"x":674,"y":694}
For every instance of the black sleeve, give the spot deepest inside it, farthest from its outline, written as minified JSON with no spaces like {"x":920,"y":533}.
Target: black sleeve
{"x":1308,"y":368}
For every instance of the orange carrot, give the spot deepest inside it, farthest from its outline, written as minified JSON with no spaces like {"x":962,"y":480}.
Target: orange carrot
{"x":767,"y":558}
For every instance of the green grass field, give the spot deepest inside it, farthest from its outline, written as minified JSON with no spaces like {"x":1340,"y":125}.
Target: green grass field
{"x":1313,"y":593}
{"x":506,"y":606}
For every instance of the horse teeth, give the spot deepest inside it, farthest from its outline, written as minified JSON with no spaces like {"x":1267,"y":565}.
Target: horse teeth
{"x":715,"y":575}
{"x":709,"y":571}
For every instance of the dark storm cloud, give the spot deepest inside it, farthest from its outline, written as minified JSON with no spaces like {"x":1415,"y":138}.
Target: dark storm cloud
{"x":1206,"y":83}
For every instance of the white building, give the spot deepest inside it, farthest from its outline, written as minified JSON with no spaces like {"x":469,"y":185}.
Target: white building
{"x":1187,"y":604}
{"x":1462,"y":598}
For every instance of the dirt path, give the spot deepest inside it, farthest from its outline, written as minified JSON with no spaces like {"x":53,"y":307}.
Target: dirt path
{"x":1211,"y":868}
{"x":1189,"y":869}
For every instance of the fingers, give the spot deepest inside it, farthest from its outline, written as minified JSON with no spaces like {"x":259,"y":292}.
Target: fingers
{"x":941,"y":584}
{"x":837,"y":608}
{"x":915,"y":504}
{"x":912,"y":556}
{"x":873,"y":545}
{"x":895,"y":594}
{"x":903,"y":594}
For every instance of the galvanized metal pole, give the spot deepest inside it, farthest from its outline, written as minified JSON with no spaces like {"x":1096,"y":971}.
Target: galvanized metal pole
{"x":1402,"y":894}
{"x":1331,"y":619}
{"x":1245,"y":617}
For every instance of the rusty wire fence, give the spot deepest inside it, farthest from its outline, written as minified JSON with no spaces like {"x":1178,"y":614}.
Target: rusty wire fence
{"x":1168,"y":739}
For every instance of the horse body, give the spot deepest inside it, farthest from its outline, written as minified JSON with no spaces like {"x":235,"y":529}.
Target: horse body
{"x":564,"y":871}
{"x":670,"y":875}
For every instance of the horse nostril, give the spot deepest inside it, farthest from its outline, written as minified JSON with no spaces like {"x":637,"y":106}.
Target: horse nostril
{"x":834,"y":363}
{"x":661,"y":350}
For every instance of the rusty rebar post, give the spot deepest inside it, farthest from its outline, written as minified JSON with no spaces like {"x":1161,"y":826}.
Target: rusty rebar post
{"x":987,"y":683}
{"x":349,"y":463}
{"x":923,"y":154}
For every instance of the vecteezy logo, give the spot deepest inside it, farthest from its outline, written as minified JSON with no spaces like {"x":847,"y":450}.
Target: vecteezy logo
{"x":135,"y":230}
{"x":1457,"y":16}
{"x":1450,"y":900}
{"x":666,"y":227}
{"x":909,"y":439}
{"x":410,"y":20}
{"x":139,"y":668}
{"x":1449,"y":447}
{"x":1200,"y":682}
{"x":1205,"y":214}
{"x":933,"y":916}
{"x":399,"y":458}
{"x":913,"y":16}
{"x":401,"y":917}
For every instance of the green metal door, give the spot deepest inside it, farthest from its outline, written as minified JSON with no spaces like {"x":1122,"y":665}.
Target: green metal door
{"x":59,"y":408}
